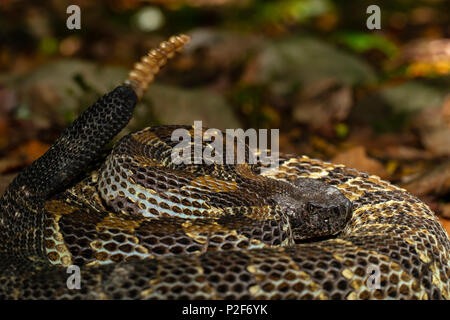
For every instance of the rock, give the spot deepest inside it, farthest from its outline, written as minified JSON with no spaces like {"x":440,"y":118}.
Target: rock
{"x":391,"y":108}
{"x":434,"y":127}
{"x":172,"y":105}
{"x":412,"y":96}
{"x":322,"y":102}
{"x":221,"y":49}
{"x":300,"y":60}
{"x":59,"y":91}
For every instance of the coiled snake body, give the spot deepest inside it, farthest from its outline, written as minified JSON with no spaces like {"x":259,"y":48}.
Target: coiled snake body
{"x":140,"y":226}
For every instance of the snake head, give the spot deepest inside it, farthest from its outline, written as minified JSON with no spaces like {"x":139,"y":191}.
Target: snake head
{"x":314,"y":209}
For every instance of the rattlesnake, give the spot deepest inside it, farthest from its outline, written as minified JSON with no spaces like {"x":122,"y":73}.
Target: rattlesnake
{"x":140,"y":226}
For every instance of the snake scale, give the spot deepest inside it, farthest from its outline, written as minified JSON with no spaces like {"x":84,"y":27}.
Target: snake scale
{"x":140,"y":226}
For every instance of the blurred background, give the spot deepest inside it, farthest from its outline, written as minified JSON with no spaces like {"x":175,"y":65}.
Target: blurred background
{"x":375,"y":100}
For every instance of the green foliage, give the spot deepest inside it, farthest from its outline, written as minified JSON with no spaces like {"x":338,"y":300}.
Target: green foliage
{"x":293,"y":10}
{"x":365,"y":41}
{"x":261,"y":13}
{"x":48,"y":45}
{"x":342,"y":130}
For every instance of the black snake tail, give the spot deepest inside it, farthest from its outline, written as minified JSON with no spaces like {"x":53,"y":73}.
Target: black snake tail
{"x":83,"y":141}
{"x":77,"y":147}
{"x":79,"y":144}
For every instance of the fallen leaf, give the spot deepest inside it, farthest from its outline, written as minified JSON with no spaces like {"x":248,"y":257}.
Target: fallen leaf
{"x":435,"y":181}
{"x":30,"y":151}
{"x":446,"y":224}
{"x":358,"y":159}
{"x":444,"y":209}
{"x":10,"y":164}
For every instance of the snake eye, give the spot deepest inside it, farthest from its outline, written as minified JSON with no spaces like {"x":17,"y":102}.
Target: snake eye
{"x":310,"y":207}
